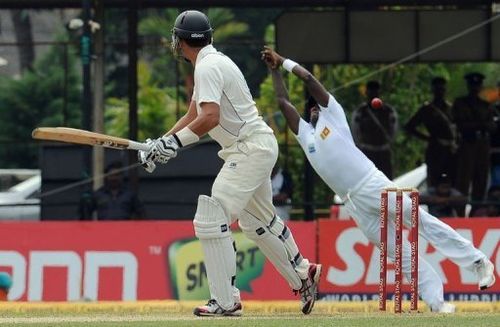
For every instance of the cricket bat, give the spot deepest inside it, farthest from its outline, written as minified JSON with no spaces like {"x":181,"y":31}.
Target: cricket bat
{"x":80,"y":136}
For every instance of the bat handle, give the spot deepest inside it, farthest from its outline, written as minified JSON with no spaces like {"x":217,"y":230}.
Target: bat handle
{"x":133,"y":145}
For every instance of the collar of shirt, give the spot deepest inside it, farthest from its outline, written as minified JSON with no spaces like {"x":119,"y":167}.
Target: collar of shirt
{"x":206,"y":50}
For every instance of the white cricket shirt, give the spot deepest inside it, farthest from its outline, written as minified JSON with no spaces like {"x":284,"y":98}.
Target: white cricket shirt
{"x":218,"y":79}
{"x":331,"y":150}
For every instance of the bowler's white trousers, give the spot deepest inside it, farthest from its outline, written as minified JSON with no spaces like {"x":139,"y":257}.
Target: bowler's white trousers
{"x":363,"y":204}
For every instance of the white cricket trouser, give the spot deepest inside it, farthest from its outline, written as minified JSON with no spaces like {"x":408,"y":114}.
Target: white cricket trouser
{"x":363,"y":204}
{"x":244,"y":182}
{"x":243,"y":188}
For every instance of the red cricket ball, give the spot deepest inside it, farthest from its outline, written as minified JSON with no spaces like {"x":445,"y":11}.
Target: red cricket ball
{"x":376,"y":103}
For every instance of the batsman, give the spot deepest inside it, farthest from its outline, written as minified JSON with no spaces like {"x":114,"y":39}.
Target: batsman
{"x":329,"y":146}
{"x":222,"y":106}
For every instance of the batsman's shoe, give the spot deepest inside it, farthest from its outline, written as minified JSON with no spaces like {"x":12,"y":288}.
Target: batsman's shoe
{"x":309,"y":289}
{"x":446,"y":307}
{"x":213,"y":309}
{"x":485,"y":273}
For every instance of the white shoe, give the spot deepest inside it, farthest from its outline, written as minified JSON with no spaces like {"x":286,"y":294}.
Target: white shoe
{"x":212,"y":308}
{"x":485,"y":273}
{"x":447,"y":307}
{"x":309,"y":290}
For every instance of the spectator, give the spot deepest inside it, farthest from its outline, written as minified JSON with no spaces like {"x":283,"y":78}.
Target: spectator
{"x":435,"y":116}
{"x":113,"y":201}
{"x":374,"y":130}
{"x":282,"y":192}
{"x":495,"y":143}
{"x":442,"y":199}
{"x":475,"y":123}
{"x":5,"y":285}
{"x":492,"y":205}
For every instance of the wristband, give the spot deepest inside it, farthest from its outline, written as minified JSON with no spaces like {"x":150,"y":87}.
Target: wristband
{"x":186,"y":136}
{"x":289,"y":64}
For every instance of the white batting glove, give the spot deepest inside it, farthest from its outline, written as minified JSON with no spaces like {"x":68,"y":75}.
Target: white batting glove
{"x":163,"y":149}
{"x":148,"y":165}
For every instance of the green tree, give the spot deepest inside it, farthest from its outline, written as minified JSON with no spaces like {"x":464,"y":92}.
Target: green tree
{"x":160,"y":24}
{"x":156,"y":108}
{"x":37,"y":99}
{"x":245,"y":50}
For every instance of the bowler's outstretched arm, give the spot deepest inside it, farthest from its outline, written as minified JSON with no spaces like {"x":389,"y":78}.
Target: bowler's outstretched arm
{"x":289,"y":111}
{"x":315,"y":88}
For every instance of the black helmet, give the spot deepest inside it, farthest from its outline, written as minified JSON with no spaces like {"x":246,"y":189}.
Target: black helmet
{"x":192,"y":25}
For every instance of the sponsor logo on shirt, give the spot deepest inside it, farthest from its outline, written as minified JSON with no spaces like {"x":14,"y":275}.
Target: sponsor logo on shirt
{"x":232,"y":165}
{"x":311,"y":148}
{"x":324,"y":133}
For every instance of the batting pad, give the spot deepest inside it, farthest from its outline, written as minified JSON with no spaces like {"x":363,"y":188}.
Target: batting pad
{"x":277,"y":244}
{"x":212,"y":228}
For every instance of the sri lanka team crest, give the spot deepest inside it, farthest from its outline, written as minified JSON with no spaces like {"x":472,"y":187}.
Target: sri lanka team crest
{"x":325,"y":132}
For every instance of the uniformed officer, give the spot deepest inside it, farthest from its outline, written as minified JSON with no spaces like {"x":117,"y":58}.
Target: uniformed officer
{"x":475,"y":123}
{"x":374,"y":130}
{"x":435,"y":117}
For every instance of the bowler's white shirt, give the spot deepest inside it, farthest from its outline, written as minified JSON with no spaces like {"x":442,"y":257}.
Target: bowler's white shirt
{"x":331,"y":150}
{"x":217,"y":79}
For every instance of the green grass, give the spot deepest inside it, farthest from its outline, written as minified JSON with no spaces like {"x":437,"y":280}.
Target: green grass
{"x":256,"y":314}
{"x":254,"y":320}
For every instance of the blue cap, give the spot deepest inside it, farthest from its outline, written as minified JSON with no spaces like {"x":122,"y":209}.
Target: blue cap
{"x":5,"y":281}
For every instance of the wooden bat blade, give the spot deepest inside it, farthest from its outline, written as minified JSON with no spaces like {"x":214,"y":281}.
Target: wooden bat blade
{"x":79,"y":136}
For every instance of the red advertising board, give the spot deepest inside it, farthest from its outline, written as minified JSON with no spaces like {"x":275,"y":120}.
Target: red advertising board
{"x":59,"y":261}
{"x":62,"y":261}
{"x":351,"y":263}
